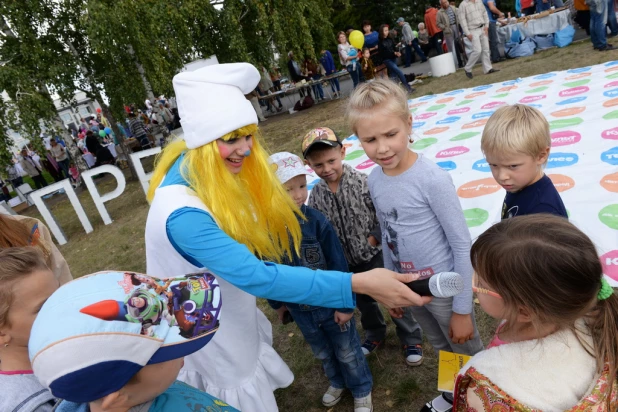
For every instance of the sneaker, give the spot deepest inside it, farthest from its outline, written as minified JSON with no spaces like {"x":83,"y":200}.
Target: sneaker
{"x":333,"y":396}
{"x":469,"y":74}
{"x":414,"y":354}
{"x":439,"y":404}
{"x":411,"y":90}
{"x":363,"y":404}
{"x":370,"y":346}
{"x":607,"y":48}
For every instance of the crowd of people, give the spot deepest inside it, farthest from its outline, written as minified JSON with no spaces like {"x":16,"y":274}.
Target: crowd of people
{"x":107,"y":341}
{"x":60,"y":161}
{"x":64,"y":158}
{"x":442,"y":30}
{"x":469,"y":32}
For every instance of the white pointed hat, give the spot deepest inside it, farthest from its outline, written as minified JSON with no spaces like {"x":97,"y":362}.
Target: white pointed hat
{"x":211,"y":101}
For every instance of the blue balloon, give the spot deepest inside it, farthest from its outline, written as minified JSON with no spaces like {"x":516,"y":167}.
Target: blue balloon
{"x":108,"y":130}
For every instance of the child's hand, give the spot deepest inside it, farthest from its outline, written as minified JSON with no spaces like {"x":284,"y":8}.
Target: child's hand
{"x":343,"y":318}
{"x":461,"y":329}
{"x":397,"y":313}
{"x":373,"y":241}
{"x":281,"y":312}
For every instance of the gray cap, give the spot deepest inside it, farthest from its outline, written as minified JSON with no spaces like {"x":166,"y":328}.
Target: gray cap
{"x":400,"y":20}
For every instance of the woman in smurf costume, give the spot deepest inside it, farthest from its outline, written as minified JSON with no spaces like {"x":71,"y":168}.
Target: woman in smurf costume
{"x":217,"y":204}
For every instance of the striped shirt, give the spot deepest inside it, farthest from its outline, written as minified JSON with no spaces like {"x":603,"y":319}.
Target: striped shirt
{"x":472,"y":15}
{"x":137,"y":128}
{"x":451,"y":15}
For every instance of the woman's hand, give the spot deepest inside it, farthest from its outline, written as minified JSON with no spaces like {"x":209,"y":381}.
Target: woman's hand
{"x":388,"y":288}
{"x":397,"y":54}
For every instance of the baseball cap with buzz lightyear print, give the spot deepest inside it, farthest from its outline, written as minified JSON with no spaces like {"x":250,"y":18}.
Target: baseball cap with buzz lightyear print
{"x":317,"y":136}
{"x":96,"y":332}
{"x":287,"y":166}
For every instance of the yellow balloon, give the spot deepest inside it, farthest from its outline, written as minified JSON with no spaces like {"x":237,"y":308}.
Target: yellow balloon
{"x":357,"y":39}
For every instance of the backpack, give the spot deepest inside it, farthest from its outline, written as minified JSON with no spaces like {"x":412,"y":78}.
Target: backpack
{"x":564,"y":37}
{"x":544,"y":41}
{"x":518,"y":46}
{"x":303,"y":104}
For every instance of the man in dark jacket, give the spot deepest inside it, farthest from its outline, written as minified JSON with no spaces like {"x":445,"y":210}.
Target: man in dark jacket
{"x":296,"y":73}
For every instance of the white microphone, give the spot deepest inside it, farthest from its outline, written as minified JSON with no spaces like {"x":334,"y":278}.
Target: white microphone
{"x":441,"y":285}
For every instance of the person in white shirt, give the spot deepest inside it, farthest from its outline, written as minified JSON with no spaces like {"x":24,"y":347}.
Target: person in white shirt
{"x":30,"y":167}
{"x":475,"y":25}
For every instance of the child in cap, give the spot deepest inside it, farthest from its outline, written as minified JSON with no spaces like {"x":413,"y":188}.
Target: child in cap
{"x":25,"y":283}
{"x":331,"y":333}
{"x":516,"y":143}
{"x":116,"y":341}
{"x":342,"y":194}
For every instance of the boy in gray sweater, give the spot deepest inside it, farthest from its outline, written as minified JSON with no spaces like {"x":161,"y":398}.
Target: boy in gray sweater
{"x":423,"y":226}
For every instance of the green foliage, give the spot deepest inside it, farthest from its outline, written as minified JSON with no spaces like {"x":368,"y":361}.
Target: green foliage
{"x":378,"y":12}
{"x":129,"y":49}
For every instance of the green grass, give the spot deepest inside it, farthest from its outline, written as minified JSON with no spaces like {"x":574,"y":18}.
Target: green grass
{"x":396,"y":386}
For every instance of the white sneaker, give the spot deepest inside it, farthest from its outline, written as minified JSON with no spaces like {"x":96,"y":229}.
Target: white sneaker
{"x":332,"y":397}
{"x":413,"y":354}
{"x":439,"y":404}
{"x":363,"y":404}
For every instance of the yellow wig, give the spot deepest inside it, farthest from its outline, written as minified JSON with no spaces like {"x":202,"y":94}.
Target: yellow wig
{"x":252,"y":207}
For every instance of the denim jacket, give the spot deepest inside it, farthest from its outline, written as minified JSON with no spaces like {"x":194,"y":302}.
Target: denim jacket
{"x":319,"y":249}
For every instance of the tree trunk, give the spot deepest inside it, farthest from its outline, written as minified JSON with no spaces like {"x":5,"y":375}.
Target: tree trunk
{"x":142,"y":73}
{"x":96,"y":93}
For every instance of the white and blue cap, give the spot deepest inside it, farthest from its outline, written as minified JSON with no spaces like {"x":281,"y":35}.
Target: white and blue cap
{"x":96,"y":332}
{"x":287,"y":166}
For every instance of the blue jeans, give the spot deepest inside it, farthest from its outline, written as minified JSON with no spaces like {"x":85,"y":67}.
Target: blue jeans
{"x":334,"y":83}
{"x":393,"y":71}
{"x":317,"y":88}
{"x":540,"y":6}
{"x":64,"y":166}
{"x":353,"y":73}
{"x":598,"y":33}
{"x":611,"y":18}
{"x":408,"y":56}
{"x":338,"y":347}
{"x":418,"y":49}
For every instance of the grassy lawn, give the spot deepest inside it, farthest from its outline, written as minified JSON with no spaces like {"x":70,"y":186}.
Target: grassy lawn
{"x":396,"y":386}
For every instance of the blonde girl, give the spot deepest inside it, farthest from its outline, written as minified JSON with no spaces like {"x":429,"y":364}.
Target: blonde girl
{"x":25,"y":284}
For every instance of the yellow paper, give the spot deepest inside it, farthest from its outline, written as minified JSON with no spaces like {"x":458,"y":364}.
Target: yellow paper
{"x":449,"y":365}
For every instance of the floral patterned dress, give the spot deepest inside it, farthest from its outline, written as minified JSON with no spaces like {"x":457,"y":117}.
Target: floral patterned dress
{"x":474,"y":392}
{"x":554,"y":371}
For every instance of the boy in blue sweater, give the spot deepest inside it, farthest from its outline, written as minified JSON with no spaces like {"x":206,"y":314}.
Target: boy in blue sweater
{"x":516,"y":143}
{"x":331,"y":333}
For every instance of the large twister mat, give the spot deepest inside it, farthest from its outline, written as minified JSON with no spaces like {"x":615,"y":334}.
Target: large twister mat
{"x":581,"y":106}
